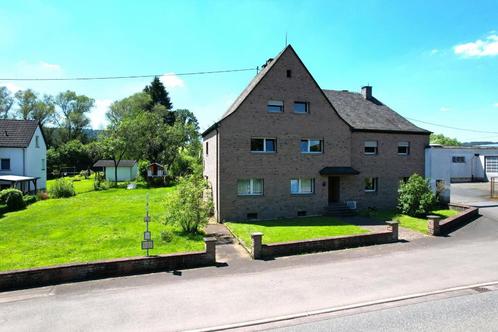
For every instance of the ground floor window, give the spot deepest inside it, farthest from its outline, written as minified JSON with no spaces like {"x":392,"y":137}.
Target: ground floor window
{"x":5,"y":164}
{"x":250,"y":187}
{"x":371,"y":184}
{"x":302,"y":186}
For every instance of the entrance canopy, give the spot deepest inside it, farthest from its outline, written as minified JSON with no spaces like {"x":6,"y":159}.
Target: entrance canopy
{"x":328,"y":171}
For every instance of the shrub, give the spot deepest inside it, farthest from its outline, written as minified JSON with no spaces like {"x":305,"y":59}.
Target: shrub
{"x":13,"y":199}
{"x":3,"y":209}
{"x":42,"y":195}
{"x":99,"y":181}
{"x":29,"y":199}
{"x":85,"y":174}
{"x":167,"y":236}
{"x":415,"y":196}
{"x":62,"y":188}
{"x":189,"y":206}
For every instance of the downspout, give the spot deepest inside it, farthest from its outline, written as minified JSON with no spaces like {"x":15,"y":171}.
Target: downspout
{"x":217,"y":175}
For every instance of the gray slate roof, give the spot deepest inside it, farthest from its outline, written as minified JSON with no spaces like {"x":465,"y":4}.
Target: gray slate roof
{"x":110,"y":163}
{"x":17,"y":133}
{"x":363,"y":114}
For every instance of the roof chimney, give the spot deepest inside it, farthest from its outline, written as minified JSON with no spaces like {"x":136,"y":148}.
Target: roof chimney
{"x":366,"y":91}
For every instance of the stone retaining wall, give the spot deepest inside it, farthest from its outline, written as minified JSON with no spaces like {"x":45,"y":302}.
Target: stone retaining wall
{"x":261,"y":251}
{"x":44,"y":276}
{"x":467,"y":214}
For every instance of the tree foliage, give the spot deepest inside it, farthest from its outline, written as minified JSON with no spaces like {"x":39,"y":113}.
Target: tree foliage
{"x":73,"y":114}
{"x":444,"y":140}
{"x":160,"y":97}
{"x":6,"y":102}
{"x":189,"y":206}
{"x":415,"y":197}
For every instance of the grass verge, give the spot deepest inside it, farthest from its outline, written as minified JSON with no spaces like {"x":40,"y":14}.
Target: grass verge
{"x":414,"y":223}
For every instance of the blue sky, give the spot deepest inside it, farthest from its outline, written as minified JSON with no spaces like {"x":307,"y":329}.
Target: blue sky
{"x":434,"y":62}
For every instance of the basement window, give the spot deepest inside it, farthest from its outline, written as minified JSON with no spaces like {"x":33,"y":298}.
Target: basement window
{"x":252,"y":216}
{"x":301,"y":213}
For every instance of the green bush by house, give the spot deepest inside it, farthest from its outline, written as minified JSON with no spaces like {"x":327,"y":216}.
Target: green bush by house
{"x":13,"y":199}
{"x":415,"y":196}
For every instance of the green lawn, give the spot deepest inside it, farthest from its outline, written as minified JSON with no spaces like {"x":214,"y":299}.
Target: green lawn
{"x":83,"y":186}
{"x":282,"y":230}
{"x":416,"y":224}
{"x":91,"y":226}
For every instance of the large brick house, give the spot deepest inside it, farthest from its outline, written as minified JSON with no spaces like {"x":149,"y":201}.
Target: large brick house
{"x":287,"y":148}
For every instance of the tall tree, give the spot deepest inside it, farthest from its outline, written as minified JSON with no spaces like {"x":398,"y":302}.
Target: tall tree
{"x":73,"y":113}
{"x":6,"y":102}
{"x":44,"y":111}
{"x":27,"y":101}
{"x":160,"y":96}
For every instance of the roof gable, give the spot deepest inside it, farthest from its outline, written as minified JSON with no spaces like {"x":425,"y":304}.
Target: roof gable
{"x":17,"y":133}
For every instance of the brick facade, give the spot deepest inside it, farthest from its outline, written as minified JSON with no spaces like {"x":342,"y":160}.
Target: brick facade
{"x":342,"y":147}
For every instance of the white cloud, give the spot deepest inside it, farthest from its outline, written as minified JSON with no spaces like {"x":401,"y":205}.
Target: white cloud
{"x":50,"y":66}
{"x":496,"y":104}
{"x":479,"y":48}
{"x":444,"y":109}
{"x":97,"y":115}
{"x":11,"y":86}
{"x":170,"y":80}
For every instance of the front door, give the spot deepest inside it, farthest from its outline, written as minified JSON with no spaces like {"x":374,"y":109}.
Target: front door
{"x":334,"y":189}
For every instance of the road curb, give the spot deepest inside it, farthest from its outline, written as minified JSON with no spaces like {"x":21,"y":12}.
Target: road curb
{"x":339,"y":308}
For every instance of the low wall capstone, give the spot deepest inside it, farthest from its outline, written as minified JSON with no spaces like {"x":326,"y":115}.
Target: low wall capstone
{"x":52,"y":275}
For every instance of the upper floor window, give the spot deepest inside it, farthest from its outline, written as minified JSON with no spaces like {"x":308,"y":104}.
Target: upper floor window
{"x":275,"y":106}
{"x":302,"y":186}
{"x":404,"y":148}
{"x":250,"y":187}
{"x":370,"y":147}
{"x":207,"y":148}
{"x":37,"y":141}
{"x":458,"y":159}
{"x":263,"y":145}
{"x":5,"y":164}
{"x":311,"y":146}
{"x":289,"y":73}
{"x":371,"y":184}
{"x":301,"y":107}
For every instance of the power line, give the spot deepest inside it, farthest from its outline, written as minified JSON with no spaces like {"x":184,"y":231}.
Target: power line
{"x":127,"y":77}
{"x":455,"y":128}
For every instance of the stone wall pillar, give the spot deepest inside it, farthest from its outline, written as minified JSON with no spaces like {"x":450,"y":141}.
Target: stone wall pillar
{"x":394,"y":228}
{"x":257,"y":243}
{"x":210,"y":249}
{"x":433,"y":224}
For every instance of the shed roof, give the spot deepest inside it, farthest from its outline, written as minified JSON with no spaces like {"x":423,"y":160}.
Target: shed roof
{"x":110,"y":163}
{"x":17,"y":133}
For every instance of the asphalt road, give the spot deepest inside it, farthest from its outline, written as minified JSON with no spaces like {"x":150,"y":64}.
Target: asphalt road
{"x":242,"y":290}
{"x":475,"y":312}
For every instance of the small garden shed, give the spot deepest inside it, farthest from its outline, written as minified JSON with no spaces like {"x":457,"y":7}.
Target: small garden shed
{"x":127,"y":169}
{"x":155,"y":170}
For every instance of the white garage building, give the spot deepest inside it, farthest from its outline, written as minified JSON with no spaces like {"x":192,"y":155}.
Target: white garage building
{"x":450,"y":164}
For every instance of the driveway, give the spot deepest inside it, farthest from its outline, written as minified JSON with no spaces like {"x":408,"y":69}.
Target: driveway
{"x":475,"y":194}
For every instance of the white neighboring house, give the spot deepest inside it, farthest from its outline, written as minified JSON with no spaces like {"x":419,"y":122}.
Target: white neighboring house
{"x":450,"y":164}
{"x":23,"y":155}
{"x":127,"y":169}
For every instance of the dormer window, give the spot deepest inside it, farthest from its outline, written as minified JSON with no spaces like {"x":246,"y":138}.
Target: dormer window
{"x":275,"y":106}
{"x":301,"y":107}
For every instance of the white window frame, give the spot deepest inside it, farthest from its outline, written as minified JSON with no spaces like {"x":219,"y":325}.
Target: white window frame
{"x":404,"y":144}
{"x":309,"y":145}
{"x":371,"y":144}
{"x":306,"y":106}
{"x":264,"y":144}
{"x":251,"y":187}
{"x":299,"y":186}
{"x":275,"y":103}
{"x":375,"y":181}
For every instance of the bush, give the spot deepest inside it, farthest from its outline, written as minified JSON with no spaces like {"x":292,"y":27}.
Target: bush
{"x":13,"y":199}
{"x":85,"y":174}
{"x":99,"y":182}
{"x":189,"y":206}
{"x":42,"y":195}
{"x":167,"y":236}
{"x":415,"y":197}
{"x":3,"y":209}
{"x":29,"y":199}
{"x":62,"y":188}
